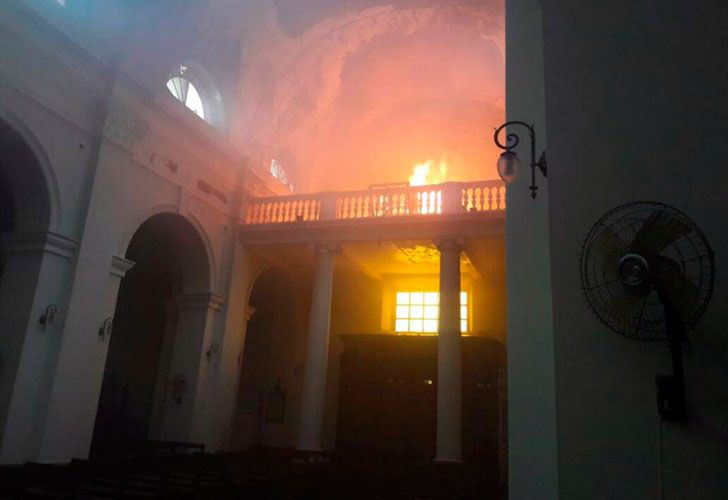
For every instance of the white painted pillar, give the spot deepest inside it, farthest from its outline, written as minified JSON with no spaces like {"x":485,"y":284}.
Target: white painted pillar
{"x":76,"y":382}
{"x":236,"y":316}
{"x":36,"y":275}
{"x":449,"y":356}
{"x":189,"y":402}
{"x":240,"y":419}
{"x":533,"y":470}
{"x":317,"y":352}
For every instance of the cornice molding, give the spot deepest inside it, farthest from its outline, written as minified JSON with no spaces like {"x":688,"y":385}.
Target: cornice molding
{"x":39,"y":242}
{"x":201,"y":300}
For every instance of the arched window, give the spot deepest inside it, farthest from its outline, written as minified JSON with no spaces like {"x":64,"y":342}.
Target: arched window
{"x":185,"y":91}
{"x":190,"y":84}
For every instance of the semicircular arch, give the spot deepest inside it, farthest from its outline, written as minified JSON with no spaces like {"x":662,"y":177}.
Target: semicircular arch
{"x":198,"y":263}
{"x":43,"y":202}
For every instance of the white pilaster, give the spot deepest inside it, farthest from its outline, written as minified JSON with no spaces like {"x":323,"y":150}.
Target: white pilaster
{"x":35,"y":277}
{"x":76,"y":383}
{"x":317,"y":352}
{"x":235,"y":322}
{"x":161,"y":383}
{"x":449,"y":356}
{"x":188,"y":399}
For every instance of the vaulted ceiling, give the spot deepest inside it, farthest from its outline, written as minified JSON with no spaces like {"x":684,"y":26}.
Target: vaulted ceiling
{"x":349,"y":93}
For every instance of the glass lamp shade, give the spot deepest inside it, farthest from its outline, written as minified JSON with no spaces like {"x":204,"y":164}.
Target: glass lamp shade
{"x":508,"y":166}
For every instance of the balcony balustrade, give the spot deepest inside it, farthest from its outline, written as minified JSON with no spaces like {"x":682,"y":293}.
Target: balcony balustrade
{"x":407,"y":201}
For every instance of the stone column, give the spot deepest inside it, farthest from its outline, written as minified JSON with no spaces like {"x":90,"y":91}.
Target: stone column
{"x":36,"y":277}
{"x":317,"y":351}
{"x":189,"y":399}
{"x":449,"y":356}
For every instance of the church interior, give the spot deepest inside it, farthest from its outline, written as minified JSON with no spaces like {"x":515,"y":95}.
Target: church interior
{"x":416,"y":249}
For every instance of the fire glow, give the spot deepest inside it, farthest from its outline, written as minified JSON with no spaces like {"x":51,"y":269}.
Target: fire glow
{"x":426,"y":173}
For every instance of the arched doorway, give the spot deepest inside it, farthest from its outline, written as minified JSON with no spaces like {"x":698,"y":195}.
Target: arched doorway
{"x":25,"y":215}
{"x":267,"y":374}
{"x":24,"y":198}
{"x":170,"y":260}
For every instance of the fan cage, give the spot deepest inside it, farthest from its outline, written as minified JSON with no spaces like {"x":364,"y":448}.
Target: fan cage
{"x":618,"y":306}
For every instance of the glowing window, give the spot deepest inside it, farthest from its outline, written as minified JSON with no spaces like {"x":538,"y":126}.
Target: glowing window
{"x":418,"y":312}
{"x":186,"y":92}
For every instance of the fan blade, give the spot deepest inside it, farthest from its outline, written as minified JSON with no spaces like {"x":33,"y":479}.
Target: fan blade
{"x":625,"y":310}
{"x":680,"y":291}
{"x":657,"y":231}
{"x":607,"y":249}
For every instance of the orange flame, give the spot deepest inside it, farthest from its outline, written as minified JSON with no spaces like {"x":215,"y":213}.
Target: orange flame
{"x":426,"y":173}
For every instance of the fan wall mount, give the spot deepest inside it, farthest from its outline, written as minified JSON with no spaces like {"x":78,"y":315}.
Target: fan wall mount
{"x":647,"y":271}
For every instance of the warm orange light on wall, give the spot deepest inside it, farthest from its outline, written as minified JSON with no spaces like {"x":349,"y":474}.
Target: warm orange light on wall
{"x":418,"y":312}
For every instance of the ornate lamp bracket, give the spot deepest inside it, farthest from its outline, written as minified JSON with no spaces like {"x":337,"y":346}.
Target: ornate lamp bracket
{"x":511,"y":141}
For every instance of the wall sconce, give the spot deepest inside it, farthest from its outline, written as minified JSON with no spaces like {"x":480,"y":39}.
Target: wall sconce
{"x":179,"y":386}
{"x":48,"y":316}
{"x":275,"y":409}
{"x":214,"y":347}
{"x":106,"y":327}
{"x":509,"y":165}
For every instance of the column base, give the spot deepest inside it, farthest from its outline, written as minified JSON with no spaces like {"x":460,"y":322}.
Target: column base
{"x":448,"y":461}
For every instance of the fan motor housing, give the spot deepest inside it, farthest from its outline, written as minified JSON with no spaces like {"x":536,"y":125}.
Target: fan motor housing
{"x":633,"y":269}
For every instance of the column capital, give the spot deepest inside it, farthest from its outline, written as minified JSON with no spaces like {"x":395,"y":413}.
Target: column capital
{"x":200,"y":300}
{"x":120,"y":266}
{"x":449,"y":243}
{"x":248,"y":313}
{"x":325,"y":247}
{"x":39,"y":242}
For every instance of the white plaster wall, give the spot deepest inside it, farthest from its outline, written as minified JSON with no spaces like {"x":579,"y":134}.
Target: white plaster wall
{"x":132,"y":183}
{"x":231,"y":343}
{"x":57,"y":118}
{"x":58,"y":127}
{"x":636,"y":108}
{"x":153,"y":157}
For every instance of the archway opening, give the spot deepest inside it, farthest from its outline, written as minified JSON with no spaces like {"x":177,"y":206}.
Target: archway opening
{"x":24,"y":198}
{"x":170,"y":260}
{"x":264,"y":416}
{"x":25,"y":207}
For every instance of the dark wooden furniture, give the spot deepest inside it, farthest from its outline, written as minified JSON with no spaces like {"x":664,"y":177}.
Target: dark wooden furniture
{"x":388,"y":397}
